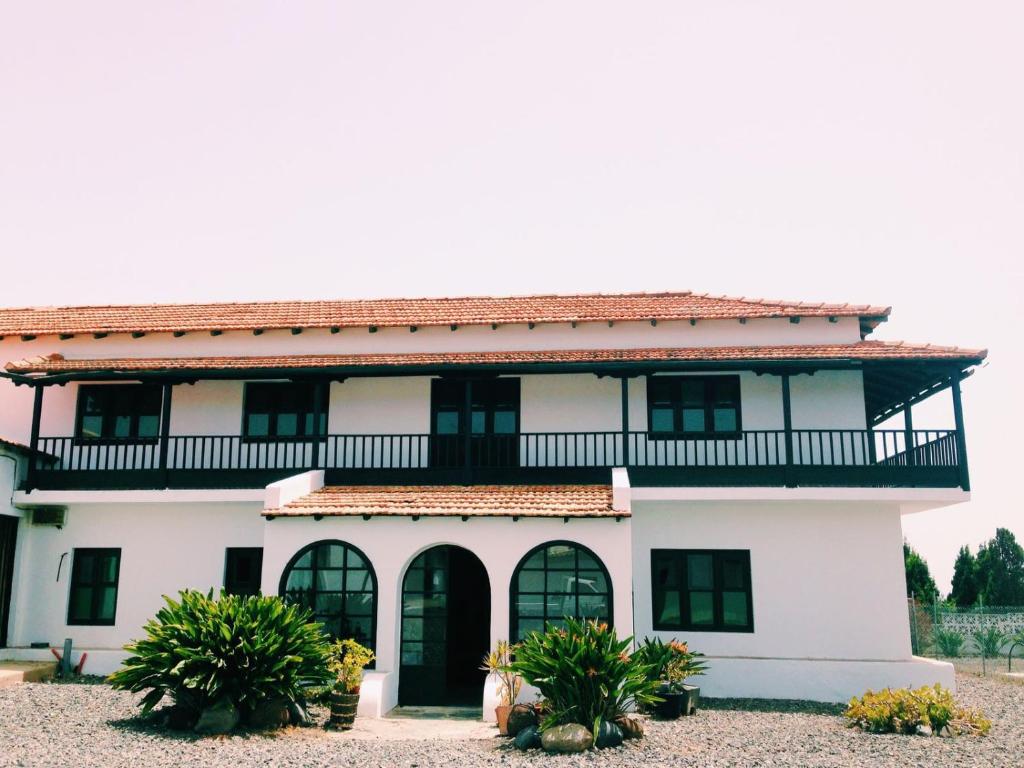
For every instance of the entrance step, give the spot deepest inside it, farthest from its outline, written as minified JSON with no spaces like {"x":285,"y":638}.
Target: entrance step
{"x":14,"y":672}
{"x":423,"y":724}
{"x":437,"y":713}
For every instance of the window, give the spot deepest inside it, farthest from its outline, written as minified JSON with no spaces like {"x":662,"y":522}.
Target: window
{"x":283,"y":410}
{"x":94,"y":574}
{"x":118,"y":410}
{"x":335,"y":581}
{"x":695,"y":404}
{"x":243,"y":570}
{"x":493,"y":421}
{"x":556,"y":580}
{"x":700,"y":589}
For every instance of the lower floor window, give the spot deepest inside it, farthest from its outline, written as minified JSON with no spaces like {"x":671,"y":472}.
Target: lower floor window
{"x":94,"y":576}
{"x":702,"y":589}
{"x":243,"y":569}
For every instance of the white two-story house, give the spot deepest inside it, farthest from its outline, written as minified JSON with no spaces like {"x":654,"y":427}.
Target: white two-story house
{"x":432,"y":475}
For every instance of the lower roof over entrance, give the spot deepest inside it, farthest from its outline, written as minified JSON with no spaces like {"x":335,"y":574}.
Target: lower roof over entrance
{"x":453,"y":501}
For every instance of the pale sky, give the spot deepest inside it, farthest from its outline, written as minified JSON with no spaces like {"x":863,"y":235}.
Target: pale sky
{"x":863,"y":151}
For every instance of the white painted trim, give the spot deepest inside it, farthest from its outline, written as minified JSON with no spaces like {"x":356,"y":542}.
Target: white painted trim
{"x":164,"y":495}
{"x":621,"y":499}
{"x":291,"y":488}
{"x":933,"y":497}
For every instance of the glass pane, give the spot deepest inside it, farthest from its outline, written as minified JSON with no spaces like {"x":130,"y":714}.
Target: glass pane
{"x":81,"y":603}
{"x":700,"y":572}
{"x":358,"y":604}
{"x":108,"y":603}
{"x":588,"y":562}
{"x":734,"y":609}
{"x":725,"y":420}
{"x":412,"y":605}
{"x":107,"y":568}
{"x":561,"y":556}
{"x":359,"y":629}
{"x":559,"y":606}
{"x":661,"y":420}
{"x":353,"y":560}
{"x":531,"y":581}
{"x":693,"y":392}
{"x":412,"y":654}
{"x":86,"y":567}
{"x":693,"y":420}
{"x":671,"y":610}
{"x":328,"y":581}
{"x":593,"y":606}
{"x":536,"y":560}
{"x":666,"y":571}
{"x":299,"y":580}
{"x":435,"y":604}
{"x":530,"y":605}
{"x":434,"y":630}
{"x":359,"y":580}
{"x":504,"y":422}
{"x":258,"y":425}
{"x":329,"y":604}
{"x":592,"y":582}
{"x":287,"y":424}
{"x":92,"y":426}
{"x":479,"y":422}
{"x":149,"y":426}
{"x":702,"y":610}
{"x":332,"y":625}
{"x":330,"y":556}
{"x":447,"y":423}
{"x":412,"y":629}
{"x":122,"y":426}
{"x":526,"y":626}
{"x":433,"y":655}
{"x":305,"y":561}
{"x":561,"y":582}
{"x":733,"y":575}
{"x":414,"y":580}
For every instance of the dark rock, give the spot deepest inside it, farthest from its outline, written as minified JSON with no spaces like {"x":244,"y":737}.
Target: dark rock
{"x":567,"y":739}
{"x":220,"y":717}
{"x":528,"y":738}
{"x":269,"y":714}
{"x":299,"y":715}
{"x":631,"y":727}
{"x":521,"y":716}
{"x":608,"y":735}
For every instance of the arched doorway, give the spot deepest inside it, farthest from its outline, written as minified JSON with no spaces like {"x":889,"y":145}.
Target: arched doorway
{"x":446,"y":621}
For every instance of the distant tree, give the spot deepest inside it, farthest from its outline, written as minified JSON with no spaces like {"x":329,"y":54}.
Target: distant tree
{"x":965,"y":579}
{"x":1001,"y":570}
{"x":920,"y":584}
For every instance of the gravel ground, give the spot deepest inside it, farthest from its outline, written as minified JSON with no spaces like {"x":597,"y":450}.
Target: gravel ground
{"x":92,"y":725}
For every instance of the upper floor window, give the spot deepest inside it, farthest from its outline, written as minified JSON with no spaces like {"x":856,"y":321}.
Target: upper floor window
{"x":283,"y":409}
{"x":702,"y":589}
{"x":118,"y":410}
{"x":696,"y":404}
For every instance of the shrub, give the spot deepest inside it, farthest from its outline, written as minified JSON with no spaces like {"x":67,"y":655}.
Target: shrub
{"x":989,"y":642}
{"x":584,"y":673}
{"x":905,"y":711}
{"x":672,"y":662}
{"x":498,"y":663}
{"x":346,"y":663}
{"x":949,"y":642}
{"x":199,"y":650}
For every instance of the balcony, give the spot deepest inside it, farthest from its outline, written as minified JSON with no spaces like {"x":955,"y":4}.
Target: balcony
{"x":830,"y":457}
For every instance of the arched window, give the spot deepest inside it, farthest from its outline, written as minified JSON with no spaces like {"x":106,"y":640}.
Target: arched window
{"x":335,"y":581}
{"x":556,"y":580}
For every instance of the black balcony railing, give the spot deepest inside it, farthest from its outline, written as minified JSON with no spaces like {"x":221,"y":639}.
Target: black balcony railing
{"x":831,"y":457}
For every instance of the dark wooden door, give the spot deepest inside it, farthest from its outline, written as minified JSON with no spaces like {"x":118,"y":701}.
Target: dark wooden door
{"x":488,"y":409}
{"x":8,"y":538}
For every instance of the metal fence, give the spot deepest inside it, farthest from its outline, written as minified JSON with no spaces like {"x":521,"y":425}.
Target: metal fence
{"x":984,"y":632}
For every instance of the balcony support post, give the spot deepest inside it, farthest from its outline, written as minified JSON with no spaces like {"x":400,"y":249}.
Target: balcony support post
{"x":165,"y":429}
{"x":908,"y":435}
{"x":625,"y":420}
{"x":33,"y":459}
{"x":467,"y":435}
{"x":787,"y":425}
{"x":961,"y":442}
{"x":318,"y":396}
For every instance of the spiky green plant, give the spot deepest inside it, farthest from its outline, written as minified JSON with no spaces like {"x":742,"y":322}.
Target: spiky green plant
{"x":949,"y":642}
{"x":584,"y":672}
{"x":199,"y":650}
{"x":989,"y":642}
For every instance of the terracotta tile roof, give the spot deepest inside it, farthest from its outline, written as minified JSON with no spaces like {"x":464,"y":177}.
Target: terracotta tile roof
{"x":454,"y":501}
{"x":863,"y":350}
{"x":480,"y":310}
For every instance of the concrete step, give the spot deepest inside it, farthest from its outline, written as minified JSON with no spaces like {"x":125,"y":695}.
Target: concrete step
{"x":14,"y":672}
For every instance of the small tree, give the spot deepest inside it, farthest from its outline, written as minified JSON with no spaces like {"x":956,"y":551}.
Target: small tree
{"x":1001,"y":570}
{"x":965,"y":579}
{"x":920,"y":584}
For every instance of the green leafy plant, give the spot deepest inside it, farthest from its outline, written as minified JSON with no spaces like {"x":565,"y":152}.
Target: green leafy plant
{"x":499,"y":663}
{"x":584,"y":673}
{"x":199,"y":650}
{"x":670,"y":663}
{"x":949,"y":642}
{"x":989,"y":642}
{"x":347,"y":661}
{"x":906,"y":711}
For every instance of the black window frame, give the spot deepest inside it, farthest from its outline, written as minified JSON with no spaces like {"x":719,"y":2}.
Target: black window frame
{"x":718,"y":557}
{"x":710,"y":401}
{"x":514,"y":591}
{"x":112,"y":393}
{"x":315,"y":567}
{"x":230,"y":555}
{"x":74,"y":582}
{"x":278,"y":407}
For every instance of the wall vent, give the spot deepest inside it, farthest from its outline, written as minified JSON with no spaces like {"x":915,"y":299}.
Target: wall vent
{"x":52,"y":516}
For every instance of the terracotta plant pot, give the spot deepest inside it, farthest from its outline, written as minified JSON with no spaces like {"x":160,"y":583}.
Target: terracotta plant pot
{"x":343,"y":710}
{"x":502,"y":712}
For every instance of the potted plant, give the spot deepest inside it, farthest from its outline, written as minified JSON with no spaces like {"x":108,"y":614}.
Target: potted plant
{"x":672,"y":663}
{"x":498,"y":663}
{"x":348,"y":658}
